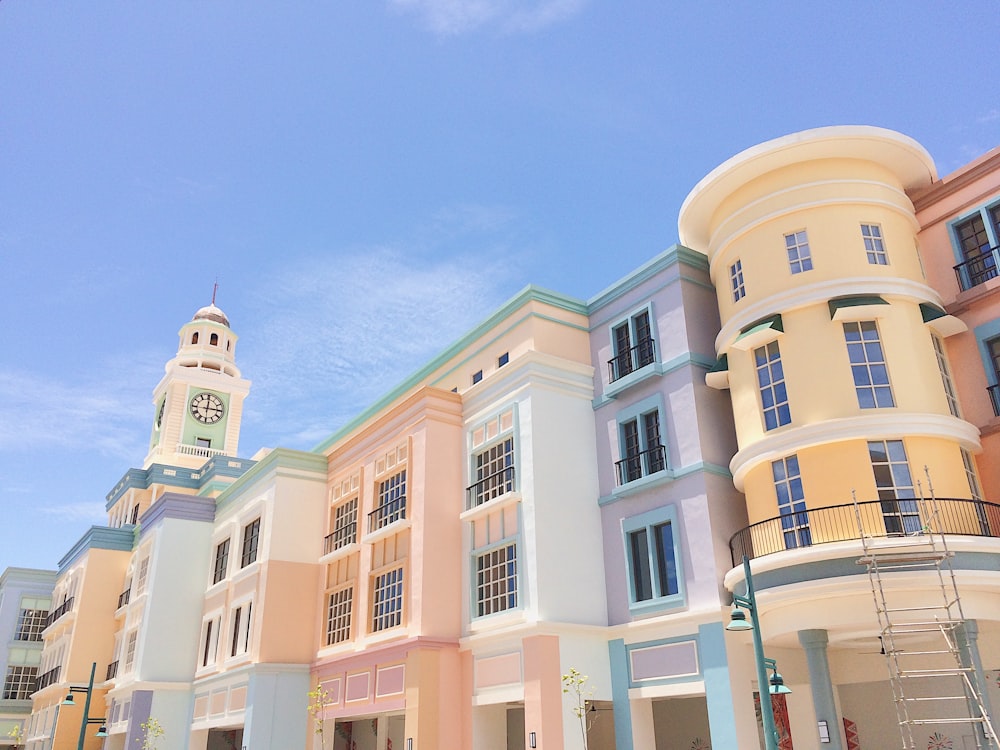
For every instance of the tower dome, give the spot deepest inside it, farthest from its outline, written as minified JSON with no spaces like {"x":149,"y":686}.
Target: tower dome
{"x":213,"y":313}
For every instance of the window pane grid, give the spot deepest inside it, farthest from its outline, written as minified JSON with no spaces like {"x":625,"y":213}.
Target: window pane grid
{"x":736,"y":281}
{"x":251,"y":534}
{"x":496,"y":580}
{"x":949,"y":386}
{"x":791,"y":502}
{"x":797,"y":247}
{"x":868,"y":366}
{"x":338,"y":616}
{"x":19,"y":683}
{"x":874,"y":245}
{"x":221,"y":561}
{"x":653,"y":563}
{"x":771,"y":381}
{"x":494,"y":472}
{"x":387,"y":600}
{"x":345,"y":525}
{"x":30,"y":624}
{"x":391,"y":502}
{"x":895,"y":486}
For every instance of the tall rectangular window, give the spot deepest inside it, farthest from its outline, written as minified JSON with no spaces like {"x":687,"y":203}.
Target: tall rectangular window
{"x":221,"y":561}
{"x":797,"y":247}
{"x":946,"y":382}
{"x":140,"y":584}
{"x":652,"y":561}
{"x":736,"y":281}
{"x":868,"y":367}
{"x":633,"y":345}
{"x":239,"y":635}
{"x":30,"y":624}
{"x":130,"y":650}
{"x":494,"y":472}
{"x":896,"y":492}
{"x":338,"y":616}
{"x":771,"y":382}
{"x":496,"y":580}
{"x":874,"y":244}
{"x":642,"y":449}
{"x":387,"y":599}
{"x":970,"y":474}
{"x":791,"y":502}
{"x":391,"y":502}
{"x":345,"y":525}
{"x":251,"y":535}
{"x":210,"y":643}
{"x":19,"y":683}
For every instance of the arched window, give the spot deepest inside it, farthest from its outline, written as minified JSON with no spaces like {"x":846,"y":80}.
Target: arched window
{"x":214,"y":339}
{"x":194,"y":337}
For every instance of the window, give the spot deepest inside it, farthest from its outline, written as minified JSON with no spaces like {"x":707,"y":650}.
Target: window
{"x":970,"y":474}
{"x":221,"y":561}
{"x":387,"y":599}
{"x":201,"y":442}
{"x":949,"y":386}
{"x":135,"y":515}
{"x":391,"y":502}
{"x":210,"y":643}
{"x":338,"y":616}
{"x":791,"y":502}
{"x":503,"y":359}
{"x":140,"y":584}
{"x":130,"y":650}
{"x":19,"y":683}
{"x":30,"y":624}
{"x":632,"y":342}
{"x":771,"y":381}
{"x":993,"y":352}
{"x":477,"y":376}
{"x":496,"y":580}
{"x":494,"y":472}
{"x":643,"y":452}
{"x":194,"y":337}
{"x":871,"y":376}
{"x":240,"y":634}
{"x":213,"y":340}
{"x":979,"y":263}
{"x":345,"y":526}
{"x":797,"y":247}
{"x":651,"y":553}
{"x":251,"y":533}
{"x":895,"y":486}
{"x":874,"y":246}
{"x":736,"y":281}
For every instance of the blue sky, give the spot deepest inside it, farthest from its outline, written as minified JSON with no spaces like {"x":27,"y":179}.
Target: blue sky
{"x":367,"y":179}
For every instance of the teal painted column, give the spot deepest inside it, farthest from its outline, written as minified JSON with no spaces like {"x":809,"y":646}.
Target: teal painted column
{"x":619,"y":694}
{"x":968,"y":649}
{"x":814,"y":642}
{"x":718,"y":688}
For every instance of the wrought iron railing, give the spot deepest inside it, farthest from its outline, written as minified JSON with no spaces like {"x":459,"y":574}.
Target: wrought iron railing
{"x":994,"y":391}
{"x":49,"y":678}
{"x":641,"y":464}
{"x":390,"y":511}
{"x":123,"y":599}
{"x":112,"y":670}
{"x":879,"y":518}
{"x":59,"y":611}
{"x":496,"y":484}
{"x":343,"y":536}
{"x":638,"y":356}
{"x":981,"y":268}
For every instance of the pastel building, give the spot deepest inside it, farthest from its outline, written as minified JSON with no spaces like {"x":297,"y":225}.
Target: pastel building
{"x":833,"y":346}
{"x":25,"y":600}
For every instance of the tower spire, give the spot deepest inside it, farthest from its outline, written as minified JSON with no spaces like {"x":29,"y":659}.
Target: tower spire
{"x":215,"y":288}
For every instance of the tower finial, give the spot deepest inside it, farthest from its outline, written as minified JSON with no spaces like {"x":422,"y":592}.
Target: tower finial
{"x":215,"y":288}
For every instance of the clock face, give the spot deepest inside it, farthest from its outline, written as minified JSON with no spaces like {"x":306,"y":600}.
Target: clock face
{"x":207,"y":408}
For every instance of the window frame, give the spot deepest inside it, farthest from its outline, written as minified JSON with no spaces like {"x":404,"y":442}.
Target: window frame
{"x":874,"y":241}
{"x":772,"y":396}
{"x":797,"y":244}
{"x":393,"y":497}
{"x":870,"y":367}
{"x":947,"y":382}
{"x":220,"y":565}
{"x":379,"y":621}
{"x":989,"y":215}
{"x":481,"y":607}
{"x":641,"y":352}
{"x":650,"y":464}
{"x":250,"y":543}
{"x":789,"y":493}
{"x":19,"y":682}
{"x":898,"y":500}
{"x":208,"y":644}
{"x":737,"y":283}
{"x":649,"y":522}
{"x":345,"y":619}
{"x":240,"y":629}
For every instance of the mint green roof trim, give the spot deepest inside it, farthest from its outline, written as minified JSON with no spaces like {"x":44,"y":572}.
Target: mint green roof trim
{"x":722,"y":365}
{"x":100,"y":537}
{"x":530,"y":293}
{"x":674,"y":255}
{"x":772,"y":323}
{"x":277,"y":458}
{"x":931,"y":312}
{"x":855,"y":301}
{"x":195,"y":479}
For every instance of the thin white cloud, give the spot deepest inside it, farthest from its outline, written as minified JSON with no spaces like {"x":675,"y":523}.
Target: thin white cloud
{"x":454,"y":17}
{"x":76,"y":512}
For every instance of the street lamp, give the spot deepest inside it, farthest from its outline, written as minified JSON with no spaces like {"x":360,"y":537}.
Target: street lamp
{"x":775,"y":685}
{"x":102,"y":731}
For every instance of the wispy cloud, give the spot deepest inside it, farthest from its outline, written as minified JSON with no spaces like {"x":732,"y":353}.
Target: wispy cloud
{"x":76,"y":512}
{"x":454,"y":17}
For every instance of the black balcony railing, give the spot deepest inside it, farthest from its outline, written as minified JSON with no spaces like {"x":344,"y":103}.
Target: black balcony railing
{"x":123,"y":599}
{"x":386,"y":513}
{"x":343,"y":536}
{"x":994,"y":391}
{"x":112,"y":670}
{"x":49,"y":678}
{"x":638,"y":356}
{"x":496,"y":484}
{"x":640,"y":464}
{"x":975,"y":271}
{"x":879,"y":518}
{"x":59,"y":611}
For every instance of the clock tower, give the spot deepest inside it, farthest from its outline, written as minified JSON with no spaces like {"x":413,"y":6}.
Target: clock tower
{"x":198,"y":404}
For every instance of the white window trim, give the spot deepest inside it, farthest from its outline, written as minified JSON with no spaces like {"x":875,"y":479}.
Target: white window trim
{"x":649,"y":520}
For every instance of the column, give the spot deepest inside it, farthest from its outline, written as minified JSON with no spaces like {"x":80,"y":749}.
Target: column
{"x":718,"y":689}
{"x":968,"y":649}
{"x":814,"y":642}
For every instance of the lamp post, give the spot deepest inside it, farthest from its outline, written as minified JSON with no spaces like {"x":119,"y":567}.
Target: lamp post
{"x":766,"y":687}
{"x":87,"y":719}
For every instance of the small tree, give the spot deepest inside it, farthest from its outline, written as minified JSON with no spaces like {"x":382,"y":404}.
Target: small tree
{"x":575,"y":684}
{"x":17,"y":735}
{"x":318,"y":699}
{"x":152,"y":730}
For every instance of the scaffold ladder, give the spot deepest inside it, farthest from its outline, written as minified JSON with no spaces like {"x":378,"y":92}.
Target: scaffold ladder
{"x":937,"y":674}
